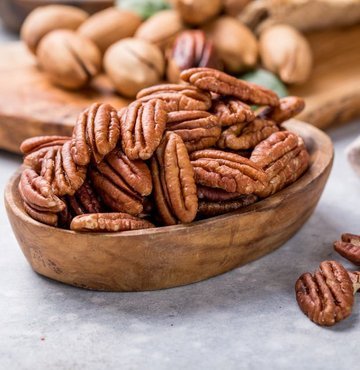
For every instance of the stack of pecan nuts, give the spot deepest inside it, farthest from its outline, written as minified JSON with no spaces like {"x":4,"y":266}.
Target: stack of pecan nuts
{"x":177,"y":153}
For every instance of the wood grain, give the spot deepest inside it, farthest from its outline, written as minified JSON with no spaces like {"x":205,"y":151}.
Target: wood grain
{"x":174,"y":255}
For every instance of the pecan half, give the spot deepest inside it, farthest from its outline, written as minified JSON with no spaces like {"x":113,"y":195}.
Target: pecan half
{"x":243,"y":136}
{"x":228,"y":171}
{"x":211,"y":209}
{"x":39,"y":142}
{"x":108,"y":222}
{"x":96,"y":134}
{"x":198,"y":129}
{"x":223,"y":84}
{"x":177,"y":97}
{"x":215,"y":194}
{"x":142,"y":128}
{"x":349,"y":247}
{"x":289,"y":107}
{"x":232,"y":111}
{"x":327,"y":296}
{"x":283,"y":157}
{"x":38,"y":194}
{"x":173,"y":179}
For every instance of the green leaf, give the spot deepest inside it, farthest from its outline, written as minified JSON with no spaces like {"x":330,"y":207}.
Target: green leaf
{"x":266,"y":79}
{"x":145,"y":8}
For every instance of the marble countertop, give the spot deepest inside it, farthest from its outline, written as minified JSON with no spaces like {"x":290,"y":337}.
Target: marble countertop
{"x":245,"y":319}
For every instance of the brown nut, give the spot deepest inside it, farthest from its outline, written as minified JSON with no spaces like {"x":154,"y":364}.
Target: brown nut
{"x":95,"y":134}
{"x":247,"y":135}
{"x":349,"y":247}
{"x":327,"y":296}
{"x":286,"y":52}
{"x":283,"y":157}
{"x":69,"y":59}
{"x":142,"y":128}
{"x":177,"y":97}
{"x":231,"y":111}
{"x":191,"y":49}
{"x":198,"y":129}
{"x":215,"y":194}
{"x":109,"y":26}
{"x":45,"y":19}
{"x":47,"y":218}
{"x":108,"y":222}
{"x":161,"y":29}
{"x":39,"y":142}
{"x":235,"y":44}
{"x":133,"y":64}
{"x":173,"y":179}
{"x":228,"y":171}
{"x":223,"y":84}
{"x":197,"y":12}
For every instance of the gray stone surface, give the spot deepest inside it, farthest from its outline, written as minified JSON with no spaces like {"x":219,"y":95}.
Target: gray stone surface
{"x":245,"y":319}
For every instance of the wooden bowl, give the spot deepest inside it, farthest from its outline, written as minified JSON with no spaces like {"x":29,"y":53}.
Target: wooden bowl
{"x":174,"y":255}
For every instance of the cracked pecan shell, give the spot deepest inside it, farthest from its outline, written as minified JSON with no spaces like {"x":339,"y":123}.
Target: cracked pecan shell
{"x":327,"y":296}
{"x":228,"y":171}
{"x":142,"y":128}
{"x":231,"y":111}
{"x":349,"y":247}
{"x":95,"y":134}
{"x":243,"y":136}
{"x":108,"y":222}
{"x":223,"y":84}
{"x":198,"y":129}
{"x":177,"y":97}
{"x":173,"y":179}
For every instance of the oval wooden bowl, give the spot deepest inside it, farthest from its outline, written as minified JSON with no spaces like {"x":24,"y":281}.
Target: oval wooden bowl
{"x":174,"y":255}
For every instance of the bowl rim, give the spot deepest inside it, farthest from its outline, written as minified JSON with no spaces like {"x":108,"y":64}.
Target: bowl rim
{"x":307,"y":178}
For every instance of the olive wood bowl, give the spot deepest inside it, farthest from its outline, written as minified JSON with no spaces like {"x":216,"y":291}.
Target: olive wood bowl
{"x":170,"y":256}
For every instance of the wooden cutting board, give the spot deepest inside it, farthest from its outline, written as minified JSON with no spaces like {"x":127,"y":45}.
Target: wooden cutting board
{"x":30,"y":105}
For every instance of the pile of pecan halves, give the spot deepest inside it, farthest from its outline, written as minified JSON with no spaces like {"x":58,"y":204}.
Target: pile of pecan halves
{"x":177,"y":153}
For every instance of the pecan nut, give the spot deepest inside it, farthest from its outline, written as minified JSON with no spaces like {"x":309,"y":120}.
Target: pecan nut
{"x":198,"y":129}
{"x":232,"y":111}
{"x":173,"y":179}
{"x":191,"y":49}
{"x":36,"y":143}
{"x":223,"y":84}
{"x":177,"y":97}
{"x":327,"y":296}
{"x":96,"y":134}
{"x":47,"y":218}
{"x":243,"y":136}
{"x":349,"y":247}
{"x":228,"y":171}
{"x":108,"y":222}
{"x":142,"y":128}
{"x":215,"y":194}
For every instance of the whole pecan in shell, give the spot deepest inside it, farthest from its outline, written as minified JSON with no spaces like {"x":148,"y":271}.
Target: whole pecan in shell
{"x":232,"y":111}
{"x":198,"y":129}
{"x":327,"y":296}
{"x":243,"y":136}
{"x":349,"y":247}
{"x":223,"y":84}
{"x":142,"y":128}
{"x":173,"y":179}
{"x":177,"y":97}
{"x":95,"y":134}
{"x":108,"y":222}
{"x":228,"y":171}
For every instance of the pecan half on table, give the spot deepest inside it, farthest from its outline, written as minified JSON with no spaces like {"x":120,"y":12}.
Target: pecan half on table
{"x":327,"y":296}
{"x":349,"y":247}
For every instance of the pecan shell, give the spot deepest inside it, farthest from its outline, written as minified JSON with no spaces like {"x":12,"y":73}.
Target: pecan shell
{"x":95,"y":134}
{"x":327,"y":296}
{"x":243,"y":136}
{"x":177,"y":97}
{"x":108,"y":222}
{"x":223,"y":84}
{"x":228,"y":171}
{"x":173,"y":179}
{"x":232,"y":111}
{"x":349,"y":247}
{"x":198,"y":129}
{"x":142,"y":128}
